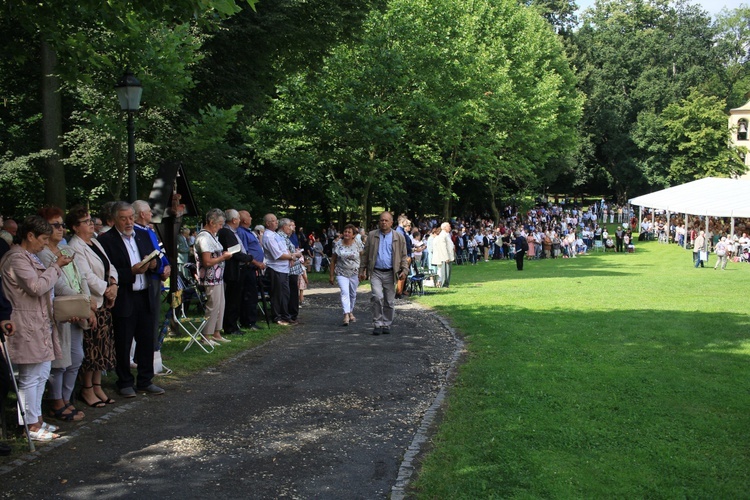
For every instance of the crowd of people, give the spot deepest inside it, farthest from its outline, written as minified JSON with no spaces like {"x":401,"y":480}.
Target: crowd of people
{"x":73,"y":301}
{"x":114,"y":263}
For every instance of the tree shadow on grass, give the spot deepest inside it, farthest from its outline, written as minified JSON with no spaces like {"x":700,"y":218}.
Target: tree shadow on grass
{"x":631,"y":403}
{"x":584,"y":266}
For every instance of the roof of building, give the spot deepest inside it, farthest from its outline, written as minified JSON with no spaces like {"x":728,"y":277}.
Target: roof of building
{"x":711,"y":196}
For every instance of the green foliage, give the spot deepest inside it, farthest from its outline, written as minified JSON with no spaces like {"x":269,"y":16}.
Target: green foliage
{"x":688,"y":141}
{"x":732,"y":46}
{"x":22,"y":174}
{"x":637,"y":57}
{"x":432,"y":91}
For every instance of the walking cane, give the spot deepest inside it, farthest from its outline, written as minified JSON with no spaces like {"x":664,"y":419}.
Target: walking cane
{"x":8,"y":329}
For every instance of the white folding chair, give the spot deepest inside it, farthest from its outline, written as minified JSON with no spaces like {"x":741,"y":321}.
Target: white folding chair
{"x":192,"y":327}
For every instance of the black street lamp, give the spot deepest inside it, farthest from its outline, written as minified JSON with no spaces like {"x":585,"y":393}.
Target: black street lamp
{"x":129,"y":91}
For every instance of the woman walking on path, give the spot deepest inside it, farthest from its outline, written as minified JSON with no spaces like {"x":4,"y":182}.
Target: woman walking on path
{"x":345,"y":268}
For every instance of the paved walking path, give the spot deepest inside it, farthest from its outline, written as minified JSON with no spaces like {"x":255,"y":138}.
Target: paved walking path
{"x":321,"y":411}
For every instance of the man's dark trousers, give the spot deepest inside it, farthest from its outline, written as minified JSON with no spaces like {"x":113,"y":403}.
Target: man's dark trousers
{"x":279,"y":294}
{"x":249,"y":307}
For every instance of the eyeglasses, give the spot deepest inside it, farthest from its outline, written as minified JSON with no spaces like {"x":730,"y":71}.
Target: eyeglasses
{"x":58,"y":225}
{"x":86,"y":221}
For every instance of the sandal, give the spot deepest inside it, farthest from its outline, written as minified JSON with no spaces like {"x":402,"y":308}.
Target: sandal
{"x":43,"y":435}
{"x":50,"y":427}
{"x":108,"y":401}
{"x":96,"y":404}
{"x":70,"y":416}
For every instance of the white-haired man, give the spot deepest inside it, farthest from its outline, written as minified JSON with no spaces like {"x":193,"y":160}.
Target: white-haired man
{"x":443,"y":254}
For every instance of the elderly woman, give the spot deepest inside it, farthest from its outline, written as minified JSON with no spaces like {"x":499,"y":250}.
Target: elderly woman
{"x":27,"y":285}
{"x":210,"y":257}
{"x":101,"y":277}
{"x":64,"y":370}
{"x":345,"y":268}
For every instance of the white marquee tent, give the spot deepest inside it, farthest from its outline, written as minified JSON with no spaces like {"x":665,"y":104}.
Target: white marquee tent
{"x":709,"y":197}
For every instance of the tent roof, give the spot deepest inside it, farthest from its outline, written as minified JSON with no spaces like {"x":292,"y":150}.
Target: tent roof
{"x":711,"y":196}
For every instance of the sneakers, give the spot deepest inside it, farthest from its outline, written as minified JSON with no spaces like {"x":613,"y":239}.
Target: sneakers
{"x":127,"y":392}
{"x":283,"y":323}
{"x":152,"y":389}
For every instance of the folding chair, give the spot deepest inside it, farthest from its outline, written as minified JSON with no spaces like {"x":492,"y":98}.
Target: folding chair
{"x":264,"y":297}
{"x":598,"y":246}
{"x":193,"y":291}
{"x":415,"y":281}
{"x":189,"y":326}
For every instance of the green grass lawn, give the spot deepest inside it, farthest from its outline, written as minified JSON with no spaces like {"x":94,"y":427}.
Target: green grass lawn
{"x":606,"y":376}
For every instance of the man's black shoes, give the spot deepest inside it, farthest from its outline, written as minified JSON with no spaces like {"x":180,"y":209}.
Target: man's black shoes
{"x":377,"y":330}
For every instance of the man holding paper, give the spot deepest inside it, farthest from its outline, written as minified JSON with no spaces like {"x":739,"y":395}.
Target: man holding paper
{"x":143,"y":216}
{"x":233,"y":272}
{"x":134,"y":310}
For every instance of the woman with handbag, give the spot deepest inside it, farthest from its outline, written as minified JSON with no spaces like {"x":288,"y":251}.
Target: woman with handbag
{"x":70,"y":286}
{"x":101,"y":277}
{"x":210,"y":257}
{"x":28,"y":285}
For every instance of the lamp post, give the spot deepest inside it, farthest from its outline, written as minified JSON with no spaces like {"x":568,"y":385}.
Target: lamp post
{"x":129,"y":91}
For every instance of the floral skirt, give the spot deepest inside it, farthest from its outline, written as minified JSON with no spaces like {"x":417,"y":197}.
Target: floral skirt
{"x":99,"y":343}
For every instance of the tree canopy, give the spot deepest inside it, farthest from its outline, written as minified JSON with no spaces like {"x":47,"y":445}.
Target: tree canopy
{"x":325,"y":109}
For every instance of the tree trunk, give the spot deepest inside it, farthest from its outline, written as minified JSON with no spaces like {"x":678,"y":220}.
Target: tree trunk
{"x":493,"y":206}
{"x":365,"y":206}
{"x":54,"y":179}
{"x":447,"y":207}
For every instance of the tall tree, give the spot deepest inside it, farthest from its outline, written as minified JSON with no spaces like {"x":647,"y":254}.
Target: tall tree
{"x":63,"y":30}
{"x":688,"y":141}
{"x":635,"y":57}
{"x":433,"y":90}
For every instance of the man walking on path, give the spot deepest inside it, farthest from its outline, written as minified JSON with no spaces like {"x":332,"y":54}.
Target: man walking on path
{"x":384,"y":260}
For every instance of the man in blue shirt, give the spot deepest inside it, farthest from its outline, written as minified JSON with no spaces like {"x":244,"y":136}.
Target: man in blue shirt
{"x":143,"y":216}
{"x":384,"y":260}
{"x":278,"y":262}
{"x":249,"y":310}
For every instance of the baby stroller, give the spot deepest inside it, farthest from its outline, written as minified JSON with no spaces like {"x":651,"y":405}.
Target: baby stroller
{"x":745,"y":254}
